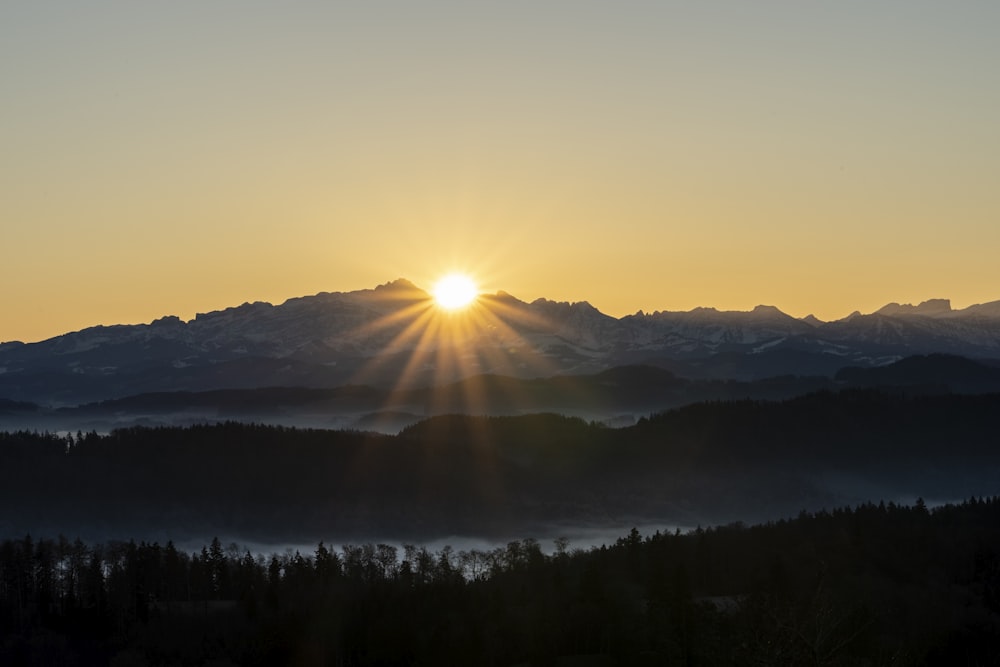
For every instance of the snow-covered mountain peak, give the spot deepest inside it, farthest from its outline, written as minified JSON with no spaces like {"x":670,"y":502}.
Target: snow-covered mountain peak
{"x":376,"y":334}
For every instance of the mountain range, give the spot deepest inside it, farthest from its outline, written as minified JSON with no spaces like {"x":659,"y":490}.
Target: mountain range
{"x":392,"y":337}
{"x":493,"y":419}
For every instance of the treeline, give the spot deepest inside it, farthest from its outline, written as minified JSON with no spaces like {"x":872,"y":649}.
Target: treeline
{"x":491,"y":476}
{"x":870,"y":585}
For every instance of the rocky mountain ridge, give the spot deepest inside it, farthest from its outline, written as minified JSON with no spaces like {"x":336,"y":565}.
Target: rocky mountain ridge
{"x":393,"y":335}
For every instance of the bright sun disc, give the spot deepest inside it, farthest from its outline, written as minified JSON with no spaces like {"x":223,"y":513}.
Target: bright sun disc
{"x":454,"y":291}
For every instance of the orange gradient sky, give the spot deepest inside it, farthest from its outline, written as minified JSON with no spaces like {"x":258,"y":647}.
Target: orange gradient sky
{"x":180,"y":157}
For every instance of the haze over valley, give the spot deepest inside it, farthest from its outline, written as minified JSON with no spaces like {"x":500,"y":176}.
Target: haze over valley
{"x":573,"y":334}
{"x":565,"y":418}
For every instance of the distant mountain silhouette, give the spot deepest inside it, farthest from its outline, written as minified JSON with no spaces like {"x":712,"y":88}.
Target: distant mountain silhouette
{"x":616,"y":396}
{"x":929,"y":308}
{"x":392,"y":336}
{"x":930,"y":373}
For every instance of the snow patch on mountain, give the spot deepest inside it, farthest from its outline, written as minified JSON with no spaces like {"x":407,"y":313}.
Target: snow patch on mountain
{"x":375,"y":335}
{"x":767,"y":345}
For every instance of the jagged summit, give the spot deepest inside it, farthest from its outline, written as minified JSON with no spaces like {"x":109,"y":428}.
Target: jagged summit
{"x":929,"y":308}
{"x":384,"y":336}
{"x":813,"y":320}
{"x":167,"y":321}
{"x":398,"y":284}
{"x":580,"y":305}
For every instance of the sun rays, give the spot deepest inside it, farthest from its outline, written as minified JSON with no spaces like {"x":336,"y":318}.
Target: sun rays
{"x":442,"y":347}
{"x":443,"y":341}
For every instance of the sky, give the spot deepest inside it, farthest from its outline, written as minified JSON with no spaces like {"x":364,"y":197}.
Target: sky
{"x":171,"y":158}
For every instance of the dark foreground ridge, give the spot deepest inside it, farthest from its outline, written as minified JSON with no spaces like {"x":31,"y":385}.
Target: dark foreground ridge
{"x":498,"y":477}
{"x":873,"y":585}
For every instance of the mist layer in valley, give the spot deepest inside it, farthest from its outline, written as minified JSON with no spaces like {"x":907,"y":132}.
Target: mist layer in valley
{"x":616,"y":397}
{"x":494,"y":478}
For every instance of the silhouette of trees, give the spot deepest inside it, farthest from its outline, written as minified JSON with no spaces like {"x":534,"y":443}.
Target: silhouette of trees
{"x":872,"y":583}
{"x":826,"y":588}
{"x":475,"y":475}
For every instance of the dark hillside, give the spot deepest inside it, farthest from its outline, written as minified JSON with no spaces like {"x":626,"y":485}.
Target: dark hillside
{"x":498,"y":476}
{"x":877,"y":584}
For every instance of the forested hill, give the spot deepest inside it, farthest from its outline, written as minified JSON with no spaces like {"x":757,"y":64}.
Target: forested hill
{"x":501,"y":476}
{"x":871,"y":585}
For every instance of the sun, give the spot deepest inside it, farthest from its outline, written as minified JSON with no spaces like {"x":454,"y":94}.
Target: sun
{"x":455,"y":291}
